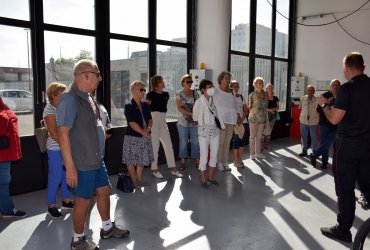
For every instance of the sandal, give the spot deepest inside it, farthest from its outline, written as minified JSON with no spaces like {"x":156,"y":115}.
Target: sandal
{"x":182,"y":166}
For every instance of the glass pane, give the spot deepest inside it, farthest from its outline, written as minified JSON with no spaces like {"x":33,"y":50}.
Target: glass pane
{"x":280,"y":82}
{"x":16,"y":80}
{"x":171,"y":65}
{"x":263,"y":69}
{"x":239,"y":69}
{"x":17,"y":9}
{"x":240,"y":28}
{"x":62,"y":51}
{"x":124,"y":13}
{"x":128,"y":62}
{"x":263,"y":28}
{"x":62,"y":13}
{"x":171,"y":20}
{"x":282,"y":28}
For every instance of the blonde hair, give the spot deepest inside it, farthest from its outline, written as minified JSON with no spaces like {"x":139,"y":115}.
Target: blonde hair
{"x":258,"y":78}
{"x":233,"y":82}
{"x":54,"y":89}
{"x":268,"y":85}
{"x":136,"y":84}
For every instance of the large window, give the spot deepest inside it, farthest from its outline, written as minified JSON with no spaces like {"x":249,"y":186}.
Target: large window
{"x":16,"y":79}
{"x":260,"y":42}
{"x":130,"y":40}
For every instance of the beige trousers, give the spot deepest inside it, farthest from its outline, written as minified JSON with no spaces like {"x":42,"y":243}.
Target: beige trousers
{"x":255,"y":137}
{"x":224,"y":144}
{"x":161,"y":134}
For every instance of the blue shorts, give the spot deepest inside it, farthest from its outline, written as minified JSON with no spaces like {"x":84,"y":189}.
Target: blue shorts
{"x":88,"y":181}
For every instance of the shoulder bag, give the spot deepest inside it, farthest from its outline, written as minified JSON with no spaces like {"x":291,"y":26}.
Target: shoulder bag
{"x":42,"y":136}
{"x":124,"y":183}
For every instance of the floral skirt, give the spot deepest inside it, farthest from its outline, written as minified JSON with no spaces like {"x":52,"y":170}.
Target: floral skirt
{"x":137,"y":151}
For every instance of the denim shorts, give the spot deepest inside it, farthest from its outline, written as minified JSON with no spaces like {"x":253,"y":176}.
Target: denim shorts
{"x":88,"y":181}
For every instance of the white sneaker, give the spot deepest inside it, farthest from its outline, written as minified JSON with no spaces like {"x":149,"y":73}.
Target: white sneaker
{"x":221,"y":167}
{"x":177,"y":174}
{"x":261,"y":156}
{"x":253,"y":157}
{"x":158,"y":175}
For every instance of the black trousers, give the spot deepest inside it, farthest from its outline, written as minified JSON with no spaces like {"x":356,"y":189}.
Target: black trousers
{"x":351,"y":164}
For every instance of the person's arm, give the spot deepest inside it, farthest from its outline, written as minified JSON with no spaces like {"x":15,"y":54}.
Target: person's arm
{"x":136,"y":127}
{"x":181,"y":109}
{"x":65,"y":147}
{"x":334,"y":115}
{"x":51,"y":124}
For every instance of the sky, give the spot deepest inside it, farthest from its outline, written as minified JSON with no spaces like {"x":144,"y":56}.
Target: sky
{"x":80,"y":14}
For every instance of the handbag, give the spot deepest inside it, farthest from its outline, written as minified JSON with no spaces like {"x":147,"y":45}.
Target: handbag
{"x":42,"y":136}
{"x":124,"y":183}
{"x":4,"y":142}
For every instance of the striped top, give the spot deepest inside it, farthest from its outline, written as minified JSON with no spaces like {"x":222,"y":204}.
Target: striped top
{"x":51,"y":144}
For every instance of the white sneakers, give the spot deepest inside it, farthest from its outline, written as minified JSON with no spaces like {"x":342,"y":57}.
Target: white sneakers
{"x":174,"y":173}
{"x":259,"y":156}
{"x":158,"y":175}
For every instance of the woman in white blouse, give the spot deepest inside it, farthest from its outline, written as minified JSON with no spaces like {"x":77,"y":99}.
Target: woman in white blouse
{"x":204,"y":112}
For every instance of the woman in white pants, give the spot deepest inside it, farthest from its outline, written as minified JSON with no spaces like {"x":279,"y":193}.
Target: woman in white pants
{"x":157,"y":99}
{"x":204,"y":112}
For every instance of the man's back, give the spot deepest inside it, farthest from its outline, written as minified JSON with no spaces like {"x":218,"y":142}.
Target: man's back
{"x":352,"y":97}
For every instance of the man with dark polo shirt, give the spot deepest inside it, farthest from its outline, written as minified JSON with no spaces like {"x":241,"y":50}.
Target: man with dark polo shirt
{"x":352,"y":155}
{"x":81,"y":138}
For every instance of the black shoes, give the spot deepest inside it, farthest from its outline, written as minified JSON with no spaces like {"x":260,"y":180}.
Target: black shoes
{"x":54,"y":212}
{"x":303,"y":153}
{"x":313,"y":160}
{"x":335,"y":233}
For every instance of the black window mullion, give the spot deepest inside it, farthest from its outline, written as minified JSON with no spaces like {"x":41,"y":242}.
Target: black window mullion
{"x":252,"y":42}
{"x":273,"y":36}
{"x":152,"y":26}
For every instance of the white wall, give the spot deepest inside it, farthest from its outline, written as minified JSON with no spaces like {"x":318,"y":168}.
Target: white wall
{"x":212,"y":44}
{"x":320,"y":50}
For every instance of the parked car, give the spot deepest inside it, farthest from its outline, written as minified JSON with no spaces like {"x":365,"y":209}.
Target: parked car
{"x":17,"y":100}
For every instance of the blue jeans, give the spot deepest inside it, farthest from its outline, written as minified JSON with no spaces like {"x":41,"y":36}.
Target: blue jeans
{"x":327,"y":135}
{"x":184,"y":133}
{"x":312,"y":129}
{"x":6,"y":203}
{"x":56,"y":176}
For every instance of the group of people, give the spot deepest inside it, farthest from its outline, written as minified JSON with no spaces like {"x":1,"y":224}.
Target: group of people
{"x":211,"y":118}
{"x":312,"y":119}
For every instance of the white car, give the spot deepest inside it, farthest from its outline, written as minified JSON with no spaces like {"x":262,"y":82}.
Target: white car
{"x":17,"y":100}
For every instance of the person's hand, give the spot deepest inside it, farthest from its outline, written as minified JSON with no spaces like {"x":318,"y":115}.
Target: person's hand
{"x":71,"y":177}
{"x":146,"y":135}
{"x":107,"y":136}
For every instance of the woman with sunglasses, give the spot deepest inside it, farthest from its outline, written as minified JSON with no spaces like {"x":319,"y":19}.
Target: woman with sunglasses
{"x":137,"y":146}
{"x":186,"y":127}
{"x":257,"y":104}
{"x":157,"y":99}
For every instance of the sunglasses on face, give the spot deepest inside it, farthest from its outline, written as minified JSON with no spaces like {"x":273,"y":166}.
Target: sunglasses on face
{"x":141,"y":90}
{"x":189,"y":82}
{"x":97,"y":74}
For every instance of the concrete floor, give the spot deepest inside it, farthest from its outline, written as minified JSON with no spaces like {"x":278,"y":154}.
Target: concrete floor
{"x":277,"y":203}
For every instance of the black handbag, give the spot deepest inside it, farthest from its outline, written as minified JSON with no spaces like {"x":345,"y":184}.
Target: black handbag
{"x":124,"y":183}
{"x":4,"y":142}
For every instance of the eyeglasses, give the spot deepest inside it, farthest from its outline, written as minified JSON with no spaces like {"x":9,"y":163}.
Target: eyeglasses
{"x":97,"y":74}
{"x":141,"y":90}
{"x":189,"y":81}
